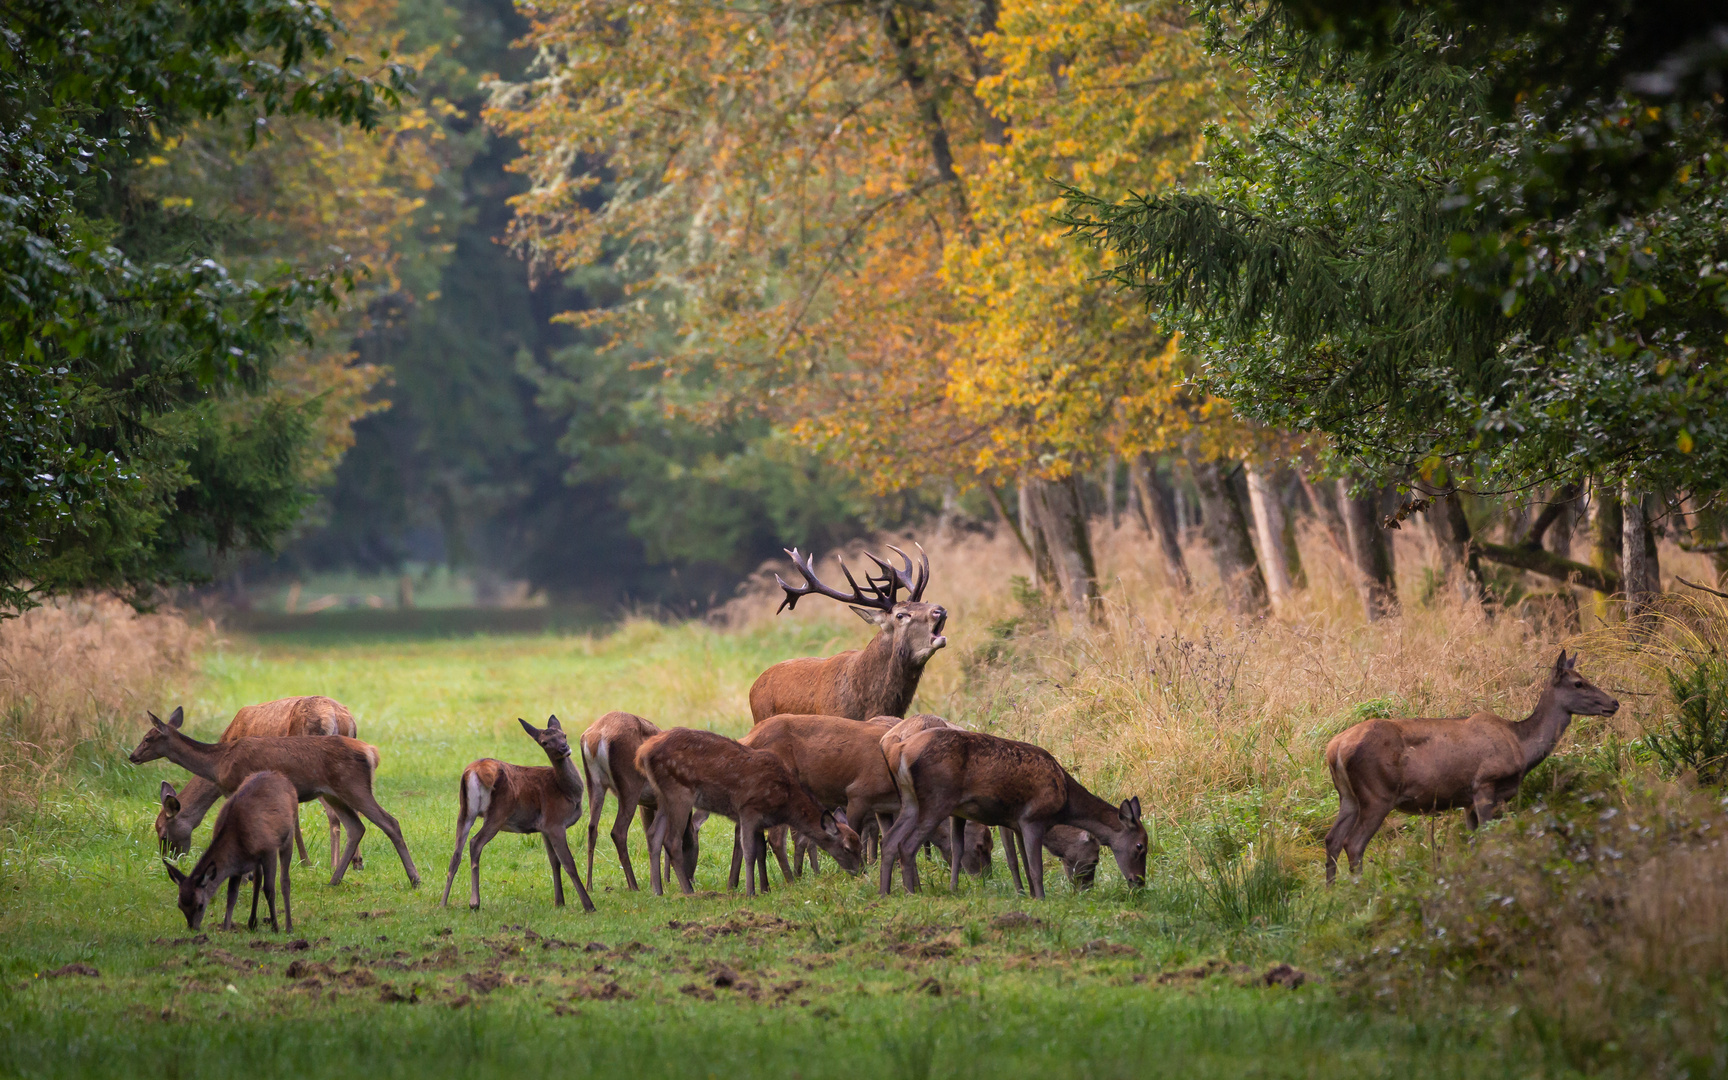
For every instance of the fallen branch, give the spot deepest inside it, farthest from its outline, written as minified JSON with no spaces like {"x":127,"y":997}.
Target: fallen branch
{"x":1542,"y":561}
{"x":1702,"y":588}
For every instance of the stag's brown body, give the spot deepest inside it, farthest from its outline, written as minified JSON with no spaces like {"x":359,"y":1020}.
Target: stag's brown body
{"x":254,"y":834}
{"x":338,"y":769}
{"x":877,"y":680}
{"x":543,"y":799}
{"x":951,"y":775}
{"x":183,"y":810}
{"x":609,"y":760}
{"x":691,"y":770}
{"x":1426,"y":766}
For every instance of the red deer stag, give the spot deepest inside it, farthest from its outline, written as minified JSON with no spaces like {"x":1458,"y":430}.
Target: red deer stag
{"x":609,"y":759}
{"x":1075,"y":847}
{"x":959,"y":776}
{"x":1428,"y":766}
{"x":544,"y":799}
{"x":254,"y":834}
{"x":877,"y":680}
{"x":183,"y":810}
{"x":336,"y":768}
{"x":691,"y":769}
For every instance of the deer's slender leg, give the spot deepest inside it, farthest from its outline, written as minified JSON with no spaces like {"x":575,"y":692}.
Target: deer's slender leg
{"x":233,"y":895}
{"x":335,"y":824}
{"x":464,"y":822}
{"x":1368,"y":823}
{"x":355,"y":830}
{"x":257,"y":885}
{"x":737,"y":858}
{"x":299,"y":840}
{"x":656,"y":837}
{"x":674,"y":821}
{"x":1337,"y":835}
{"x":488,"y":829}
{"x":777,"y":841}
{"x":561,"y":848}
{"x":1009,"y":849}
{"x":365,"y":803}
{"x":1032,"y":844}
{"x":285,"y":857}
{"x":269,"y":891}
{"x":557,"y":880}
{"x":956,"y":844}
{"x":596,"y":803}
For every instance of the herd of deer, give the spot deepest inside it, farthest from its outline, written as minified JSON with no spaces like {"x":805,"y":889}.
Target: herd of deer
{"x":831,"y":755}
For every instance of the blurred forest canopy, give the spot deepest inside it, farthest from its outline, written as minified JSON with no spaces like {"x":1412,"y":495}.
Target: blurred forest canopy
{"x":618,"y":299}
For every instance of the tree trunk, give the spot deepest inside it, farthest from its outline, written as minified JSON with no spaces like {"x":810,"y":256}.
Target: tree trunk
{"x":1276,"y":554}
{"x":1061,"y":516}
{"x":1032,"y":530}
{"x":1605,"y":527}
{"x":1158,"y":510}
{"x":1639,"y":574}
{"x":1227,"y":534}
{"x":1459,"y":559}
{"x":1369,"y":552}
{"x":1110,"y":491}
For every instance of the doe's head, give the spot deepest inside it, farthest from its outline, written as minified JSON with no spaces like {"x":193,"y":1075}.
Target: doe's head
{"x":1576,"y":694}
{"x":173,"y":832}
{"x":196,"y":889}
{"x":156,"y":740}
{"x":551,"y":738}
{"x":840,"y":841}
{"x":1129,"y":842}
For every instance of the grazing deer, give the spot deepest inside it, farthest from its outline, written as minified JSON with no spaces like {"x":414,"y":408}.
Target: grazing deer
{"x":181,"y":811}
{"x":254,"y":833}
{"x":336,"y":768}
{"x":955,"y":776}
{"x":544,"y":799}
{"x":877,"y":680}
{"x":609,"y":759}
{"x":691,"y":770}
{"x":1428,"y":766}
{"x":840,"y":762}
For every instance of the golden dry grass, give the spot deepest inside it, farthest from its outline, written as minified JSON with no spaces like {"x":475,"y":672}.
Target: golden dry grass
{"x":75,"y":669}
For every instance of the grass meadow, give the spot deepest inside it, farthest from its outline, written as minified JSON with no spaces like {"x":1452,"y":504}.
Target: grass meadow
{"x":1217,"y":726}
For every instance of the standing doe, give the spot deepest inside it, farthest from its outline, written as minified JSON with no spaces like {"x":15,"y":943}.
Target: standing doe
{"x":691,"y":770}
{"x":336,"y":768}
{"x":609,"y":759}
{"x":254,"y":833}
{"x":544,"y":799}
{"x":1428,"y":766}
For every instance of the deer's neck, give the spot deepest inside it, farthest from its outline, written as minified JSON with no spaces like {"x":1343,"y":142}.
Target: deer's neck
{"x":569,"y":781}
{"x":197,"y":796}
{"x":197,"y":758}
{"x":1541,"y":730}
{"x":884,"y":678}
{"x":1087,"y":811}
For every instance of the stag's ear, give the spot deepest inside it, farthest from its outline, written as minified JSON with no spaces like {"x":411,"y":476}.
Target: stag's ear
{"x":177,"y":717}
{"x":874,"y":618}
{"x":174,"y":873}
{"x":529,"y":728}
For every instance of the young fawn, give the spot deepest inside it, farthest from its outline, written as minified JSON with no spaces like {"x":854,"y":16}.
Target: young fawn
{"x":691,"y":770}
{"x":544,"y":799}
{"x":254,"y":834}
{"x":336,"y":768}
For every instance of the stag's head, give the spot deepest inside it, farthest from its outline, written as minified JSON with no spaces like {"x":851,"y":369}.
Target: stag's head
{"x":1129,"y":842}
{"x":1576,"y":694}
{"x":173,"y":833}
{"x":551,"y":738}
{"x":196,"y":889}
{"x":156,"y":740}
{"x":914,"y":627}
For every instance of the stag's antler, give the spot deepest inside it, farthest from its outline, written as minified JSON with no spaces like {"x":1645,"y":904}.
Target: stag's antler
{"x":904,"y":578}
{"x":883,"y":590}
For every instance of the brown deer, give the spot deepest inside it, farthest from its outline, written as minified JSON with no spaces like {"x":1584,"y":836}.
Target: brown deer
{"x":254,"y":834}
{"x":182,"y":811}
{"x":691,"y":769}
{"x":1428,"y":766}
{"x":336,"y":768}
{"x":957,"y":776}
{"x":877,"y":680}
{"x":544,"y":799}
{"x":609,"y":760}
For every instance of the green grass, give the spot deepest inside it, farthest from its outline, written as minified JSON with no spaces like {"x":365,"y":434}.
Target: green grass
{"x":818,"y":978}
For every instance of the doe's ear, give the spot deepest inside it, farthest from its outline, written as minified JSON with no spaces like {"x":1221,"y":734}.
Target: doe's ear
{"x":155,"y":721}
{"x":829,"y":825}
{"x":174,"y":873}
{"x":1129,"y":812}
{"x":177,"y":717}
{"x":1561,"y":666}
{"x":533,"y":733}
{"x":168,"y":791}
{"x":552,"y":724}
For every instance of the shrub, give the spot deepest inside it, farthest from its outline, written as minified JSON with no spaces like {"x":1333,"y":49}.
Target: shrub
{"x":1698,"y":738}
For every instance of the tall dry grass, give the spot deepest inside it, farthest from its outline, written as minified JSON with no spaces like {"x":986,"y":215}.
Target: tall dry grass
{"x":73,"y":671}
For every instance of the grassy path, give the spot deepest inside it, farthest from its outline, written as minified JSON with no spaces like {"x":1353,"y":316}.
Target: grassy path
{"x":818,"y":979}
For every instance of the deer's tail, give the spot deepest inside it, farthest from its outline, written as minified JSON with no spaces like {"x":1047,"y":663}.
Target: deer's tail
{"x":1338,"y":764}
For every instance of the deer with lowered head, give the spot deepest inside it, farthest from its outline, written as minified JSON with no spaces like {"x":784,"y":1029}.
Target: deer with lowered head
{"x":182,"y":811}
{"x":954,"y":776}
{"x":1075,"y":847}
{"x":609,"y":759}
{"x":544,"y":799}
{"x":336,"y":768}
{"x":691,"y":770}
{"x":877,"y":680}
{"x":1428,"y":766}
{"x":254,"y":834}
